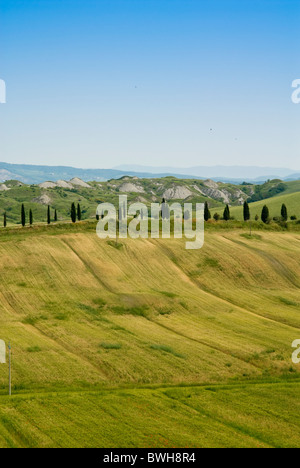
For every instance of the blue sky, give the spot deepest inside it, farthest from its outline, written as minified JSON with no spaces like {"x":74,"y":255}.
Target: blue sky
{"x":98,"y":83}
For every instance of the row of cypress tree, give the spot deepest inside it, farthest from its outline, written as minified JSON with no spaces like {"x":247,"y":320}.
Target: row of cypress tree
{"x":23,"y":216}
{"x":75,"y":215}
{"x":265,"y":214}
{"x":207,"y":213}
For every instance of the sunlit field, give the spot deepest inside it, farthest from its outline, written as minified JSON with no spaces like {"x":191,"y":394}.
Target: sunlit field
{"x":149,"y":344}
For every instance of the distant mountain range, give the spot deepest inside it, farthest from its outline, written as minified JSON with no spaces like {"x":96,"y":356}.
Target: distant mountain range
{"x":31,"y":174}
{"x":221,"y":173}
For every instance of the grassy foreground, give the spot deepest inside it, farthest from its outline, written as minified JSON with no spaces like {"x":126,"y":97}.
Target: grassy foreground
{"x":215,"y":416}
{"x":148,"y":344}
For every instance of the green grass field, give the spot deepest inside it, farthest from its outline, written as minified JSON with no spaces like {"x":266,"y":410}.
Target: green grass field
{"x":148,"y":344}
{"x":291,"y":200}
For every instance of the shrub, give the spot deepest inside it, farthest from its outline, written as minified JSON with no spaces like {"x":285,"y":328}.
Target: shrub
{"x":34,"y":349}
{"x":212,"y":262}
{"x":167,"y":349}
{"x":110,"y":345}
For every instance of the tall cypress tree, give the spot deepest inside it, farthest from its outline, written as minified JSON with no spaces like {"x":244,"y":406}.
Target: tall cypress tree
{"x":4,"y":220}
{"x":284,"y":213}
{"x":207,"y":214}
{"x":73,"y":213}
{"x":23,"y":215}
{"x":226,"y":214}
{"x":265,"y":214}
{"x":78,"y":212}
{"x":48,"y":215}
{"x":165,"y":210}
{"x":246,"y":212}
{"x":55,"y":215}
{"x":30,"y":218}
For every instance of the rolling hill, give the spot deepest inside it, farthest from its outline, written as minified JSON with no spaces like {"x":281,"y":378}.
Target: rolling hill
{"x":61,"y":194}
{"x":148,"y":344}
{"x":291,"y":200}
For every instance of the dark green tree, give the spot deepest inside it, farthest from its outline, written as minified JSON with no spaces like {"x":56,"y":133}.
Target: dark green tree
{"x":246,"y":212}
{"x":207,"y":214}
{"x":284,"y":212}
{"x":265,"y":214}
{"x":226,"y":214}
{"x":186,"y":215}
{"x":73,"y":213}
{"x":23,"y":215}
{"x":4,"y":220}
{"x":48,"y":215}
{"x":78,"y":212}
{"x":30,"y":218}
{"x":55,"y":215}
{"x":165,"y":210}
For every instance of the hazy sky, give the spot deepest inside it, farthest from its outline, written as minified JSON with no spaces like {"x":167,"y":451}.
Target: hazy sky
{"x":98,"y":83}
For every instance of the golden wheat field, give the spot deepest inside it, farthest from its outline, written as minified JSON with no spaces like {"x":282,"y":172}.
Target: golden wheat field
{"x":146,"y":344}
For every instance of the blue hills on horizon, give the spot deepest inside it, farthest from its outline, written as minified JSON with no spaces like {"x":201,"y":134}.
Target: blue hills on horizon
{"x":36,"y":174}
